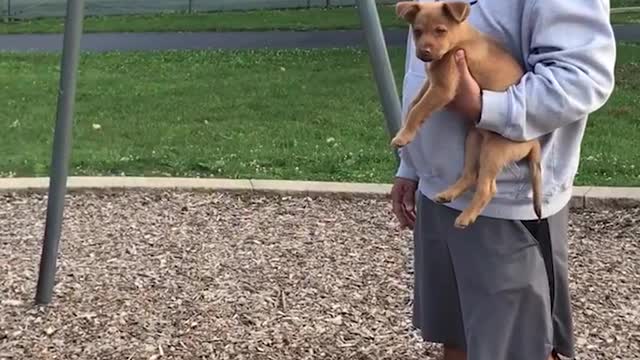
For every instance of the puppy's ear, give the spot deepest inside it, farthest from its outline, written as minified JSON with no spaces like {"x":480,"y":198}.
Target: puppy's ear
{"x":458,"y":10}
{"x":407,"y":10}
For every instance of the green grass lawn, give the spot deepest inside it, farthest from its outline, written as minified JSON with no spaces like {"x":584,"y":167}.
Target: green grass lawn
{"x":304,"y":19}
{"x":296,"y":19}
{"x":625,"y":3}
{"x":296,"y":114}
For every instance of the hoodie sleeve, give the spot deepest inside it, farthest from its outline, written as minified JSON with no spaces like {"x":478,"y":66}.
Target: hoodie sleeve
{"x":572,"y":59}
{"x":406,"y":169}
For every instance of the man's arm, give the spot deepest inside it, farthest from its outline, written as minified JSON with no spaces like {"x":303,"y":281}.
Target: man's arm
{"x":573,"y":53}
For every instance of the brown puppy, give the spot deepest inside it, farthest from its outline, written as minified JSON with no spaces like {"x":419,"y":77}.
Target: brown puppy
{"x":439,"y":30}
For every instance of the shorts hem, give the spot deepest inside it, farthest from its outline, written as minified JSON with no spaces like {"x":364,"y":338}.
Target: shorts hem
{"x":440,"y":341}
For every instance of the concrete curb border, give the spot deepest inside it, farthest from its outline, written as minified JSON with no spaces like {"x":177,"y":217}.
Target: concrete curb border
{"x":583,"y":197}
{"x":624,"y":10}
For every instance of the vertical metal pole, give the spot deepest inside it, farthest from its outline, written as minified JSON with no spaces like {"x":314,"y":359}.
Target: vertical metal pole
{"x":8,"y":15}
{"x":61,"y":150}
{"x":381,"y":64}
{"x":190,"y":6}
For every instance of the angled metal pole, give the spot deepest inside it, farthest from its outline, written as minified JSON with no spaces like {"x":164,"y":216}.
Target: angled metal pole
{"x":61,"y":150}
{"x":381,"y":64}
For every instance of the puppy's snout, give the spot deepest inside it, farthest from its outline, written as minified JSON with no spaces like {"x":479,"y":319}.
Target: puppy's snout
{"x":425,"y":54}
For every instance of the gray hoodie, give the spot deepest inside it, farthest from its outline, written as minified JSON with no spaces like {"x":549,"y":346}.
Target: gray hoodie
{"x":569,"y":52}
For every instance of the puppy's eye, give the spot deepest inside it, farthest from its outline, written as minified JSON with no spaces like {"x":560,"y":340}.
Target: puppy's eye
{"x":441,"y":30}
{"x":417,"y":32}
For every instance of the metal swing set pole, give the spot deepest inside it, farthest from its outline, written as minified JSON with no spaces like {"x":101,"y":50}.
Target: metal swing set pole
{"x":61,"y":150}
{"x":381,"y":65}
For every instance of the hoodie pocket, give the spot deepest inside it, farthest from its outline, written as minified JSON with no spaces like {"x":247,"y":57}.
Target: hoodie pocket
{"x":509,"y":180}
{"x":511,"y":171}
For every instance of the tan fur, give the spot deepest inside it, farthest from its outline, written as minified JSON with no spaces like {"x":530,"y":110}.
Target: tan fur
{"x":440,"y":29}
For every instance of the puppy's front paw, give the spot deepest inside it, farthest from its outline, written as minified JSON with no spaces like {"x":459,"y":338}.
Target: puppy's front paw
{"x":403,"y":138}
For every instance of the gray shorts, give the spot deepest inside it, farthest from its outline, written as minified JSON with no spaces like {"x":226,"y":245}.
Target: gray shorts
{"x":497,"y":290}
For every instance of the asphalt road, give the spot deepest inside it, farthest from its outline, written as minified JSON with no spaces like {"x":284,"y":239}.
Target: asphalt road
{"x":100,"y":42}
{"x":197,"y":40}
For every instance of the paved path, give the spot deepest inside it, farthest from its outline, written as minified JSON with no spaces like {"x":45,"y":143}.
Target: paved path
{"x":198,"y":40}
{"x":223,"y":40}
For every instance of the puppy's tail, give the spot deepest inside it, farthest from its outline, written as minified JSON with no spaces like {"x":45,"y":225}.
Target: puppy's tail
{"x":536,"y":178}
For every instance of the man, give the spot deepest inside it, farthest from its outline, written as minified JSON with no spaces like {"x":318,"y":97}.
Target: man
{"x":498,"y":290}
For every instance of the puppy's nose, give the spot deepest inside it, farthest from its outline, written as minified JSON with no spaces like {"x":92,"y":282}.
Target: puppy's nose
{"x":424,"y":55}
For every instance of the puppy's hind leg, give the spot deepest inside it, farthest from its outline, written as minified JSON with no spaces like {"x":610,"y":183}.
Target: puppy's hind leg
{"x":469,"y":172}
{"x":492,"y":161}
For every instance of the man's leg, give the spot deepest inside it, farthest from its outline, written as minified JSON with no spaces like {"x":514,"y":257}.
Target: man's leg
{"x":451,"y":353}
{"x":508,"y":274}
{"x":436,"y":308}
{"x":508,"y":278}
{"x":552,"y":236}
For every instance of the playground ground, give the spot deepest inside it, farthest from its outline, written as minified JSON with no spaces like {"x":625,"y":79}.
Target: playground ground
{"x":179,"y":275}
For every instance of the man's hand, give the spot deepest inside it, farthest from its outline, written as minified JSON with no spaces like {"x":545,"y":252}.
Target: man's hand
{"x":468,"y":99}
{"x":403,"y":194}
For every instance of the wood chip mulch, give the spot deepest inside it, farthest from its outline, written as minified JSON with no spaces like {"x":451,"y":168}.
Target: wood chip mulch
{"x":179,"y":275}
